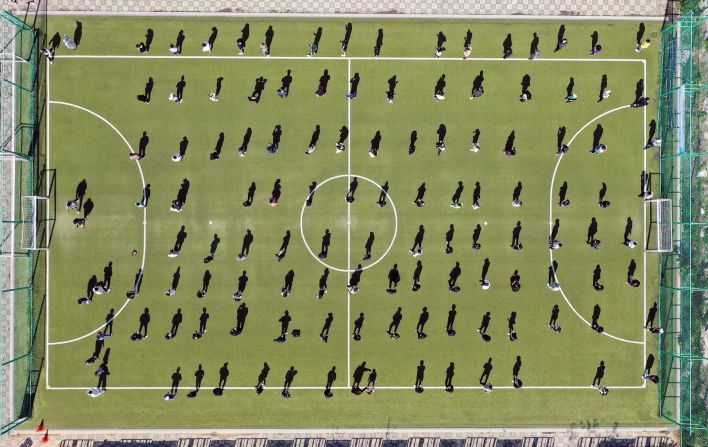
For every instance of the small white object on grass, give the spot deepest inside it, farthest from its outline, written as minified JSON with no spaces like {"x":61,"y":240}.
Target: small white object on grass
{"x":485,"y":222}
{"x":210,"y":222}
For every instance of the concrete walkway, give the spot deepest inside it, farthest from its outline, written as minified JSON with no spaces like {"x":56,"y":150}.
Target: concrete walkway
{"x":436,"y":7}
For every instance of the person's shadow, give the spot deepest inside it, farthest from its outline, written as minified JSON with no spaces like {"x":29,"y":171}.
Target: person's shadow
{"x":269,"y":34}
{"x":55,"y":41}
{"x":175,"y":278}
{"x":183,"y":146}
{"x":563,"y":192}
{"x":594,"y":38}
{"x":88,"y":207}
{"x":219,"y":80}
{"x":149,"y":36}
{"x":442,"y":132}
{"x":108,"y":275}
{"x":217,"y":148}
{"x":263,"y":375}
{"x":597,"y":135}
{"x":246,"y":139}
{"x":596,"y":311}
{"x":509,"y":145}
{"x":441,"y":39}
{"x":516,"y":195}
{"x":288,"y":280}
{"x":90,"y":285}
{"x":631,"y":269}
{"x":603,"y":86}
{"x":449,"y":373}
{"x":515,"y":234}
{"x":142,"y":144}
{"x":379,"y":38}
{"x":242,"y":281}
{"x":560,"y":135}
{"x":250,"y":195}
{"x":181,"y":236}
{"x":478,"y":80}
{"x":506,"y":45}
{"x":639,"y":91}
{"x":180,"y":87}
{"x":212,"y":37}
{"x":649,"y":364}
{"x":369,"y":245}
{"x":78,"y":32}
{"x":245,"y":33}
{"x":148,"y":88}
{"x":214,"y":245}
{"x":176,"y":321}
{"x":183,"y":191}
{"x":223,"y":375}
{"x":241,"y":315}
{"x":652,"y":131}
{"x":280,"y":254}
{"x":525,"y":84}
{"x":411,"y":144}
{"x":592,"y":230}
{"x":486,"y":371}
{"x":318,"y":36}
{"x":561,"y":36}
{"x":534,"y":43}
{"x":311,"y":193}
{"x":247,"y":241}
{"x":324,"y":80}
{"x":376,"y":141}
{"x":206,"y":279}
{"x":180,"y":41}
{"x":570,"y":87}
{"x":440,"y":85}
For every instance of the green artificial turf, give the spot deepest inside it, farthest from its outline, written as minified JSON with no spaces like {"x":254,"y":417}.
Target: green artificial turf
{"x":83,"y":147}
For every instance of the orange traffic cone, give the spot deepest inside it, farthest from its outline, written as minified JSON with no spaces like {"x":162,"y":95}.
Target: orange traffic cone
{"x":40,"y":427}
{"x":45,"y":438}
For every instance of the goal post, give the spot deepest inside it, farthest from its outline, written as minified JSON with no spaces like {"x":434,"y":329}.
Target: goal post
{"x":34,"y":210}
{"x":660,"y":236}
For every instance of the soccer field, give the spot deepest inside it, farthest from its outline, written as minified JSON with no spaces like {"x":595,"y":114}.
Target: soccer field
{"x":95,"y":123}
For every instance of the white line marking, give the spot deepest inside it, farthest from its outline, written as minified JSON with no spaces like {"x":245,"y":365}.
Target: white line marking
{"x":49,"y":252}
{"x":337,"y":58}
{"x":385,"y":17}
{"x":644,"y":230}
{"x":349,"y":226}
{"x":550,"y":222}
{"x":395,"y":228}
{"x":205,"y":389}
{"x":142,"y":179}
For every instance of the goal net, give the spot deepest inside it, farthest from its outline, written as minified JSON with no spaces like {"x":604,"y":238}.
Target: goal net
{"x":33,"y":208}
{"x":661,"y":225}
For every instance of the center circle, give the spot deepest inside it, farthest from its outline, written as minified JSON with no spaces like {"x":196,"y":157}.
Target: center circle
{"x":395,"y":227}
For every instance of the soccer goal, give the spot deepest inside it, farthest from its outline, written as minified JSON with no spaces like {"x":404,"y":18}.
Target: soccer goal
{"x":660,"y":236}
{"x":33,"y":210}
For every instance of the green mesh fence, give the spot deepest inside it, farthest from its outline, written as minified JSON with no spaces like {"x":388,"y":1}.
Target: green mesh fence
{"x":683,"y":294}
{"x":19,"y":164}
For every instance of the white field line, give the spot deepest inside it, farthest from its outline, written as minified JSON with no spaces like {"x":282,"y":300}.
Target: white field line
{"x":385,"y":17}
{"x":336,"y":58}
{"x":142,"y":179}
{"x":550,"y":223}
{"x":349,"y":224}
{"x":349,"y":205}
{"x":49,"y":252}
{"x":644,"y":229}
{"x":206,"y":389}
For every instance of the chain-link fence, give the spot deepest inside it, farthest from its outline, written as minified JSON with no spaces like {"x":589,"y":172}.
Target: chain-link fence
{"x":683,"y":297}
{"x":21,"y":159}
